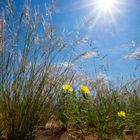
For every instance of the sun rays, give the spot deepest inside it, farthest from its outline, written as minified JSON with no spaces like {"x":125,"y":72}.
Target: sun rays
{"x":103,"y":10}
{"x":106,"y":5}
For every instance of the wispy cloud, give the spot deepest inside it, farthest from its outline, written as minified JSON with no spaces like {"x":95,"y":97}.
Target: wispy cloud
{"x":89,"y":55}
{"x":125,"y":47}
{"x":134,"y":54}
{"x":65,"y":64}
{"x":103,"y":77}
{"x":86,"y":55}
{"x":102,"y":80}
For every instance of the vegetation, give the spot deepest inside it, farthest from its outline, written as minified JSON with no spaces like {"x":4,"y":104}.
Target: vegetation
{"x":110,"y":113}
{"x":33,"y":87}
{"x":29,"y":75}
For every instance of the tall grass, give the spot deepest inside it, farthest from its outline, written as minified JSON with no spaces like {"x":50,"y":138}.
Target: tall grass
{"x":29,"y":74}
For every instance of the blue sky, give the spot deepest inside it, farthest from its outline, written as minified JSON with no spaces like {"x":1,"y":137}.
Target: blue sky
{"x":115,"y":39}
{"x":112,"y":39}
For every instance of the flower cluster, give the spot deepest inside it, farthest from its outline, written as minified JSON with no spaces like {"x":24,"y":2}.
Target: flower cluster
{"x":85,"y":90}
{"x":69,"y":88}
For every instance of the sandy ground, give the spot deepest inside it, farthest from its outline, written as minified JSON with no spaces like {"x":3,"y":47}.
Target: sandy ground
{"x":53,"y":131}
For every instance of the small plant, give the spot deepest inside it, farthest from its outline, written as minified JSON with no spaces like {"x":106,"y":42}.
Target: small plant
{"x":72,"y":107}
{"x":105,"y":113}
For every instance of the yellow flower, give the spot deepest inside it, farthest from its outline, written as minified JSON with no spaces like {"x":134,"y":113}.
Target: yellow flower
{"x":67,"y":88}
{"x":121,"y":114}
{"x":84,"y":89}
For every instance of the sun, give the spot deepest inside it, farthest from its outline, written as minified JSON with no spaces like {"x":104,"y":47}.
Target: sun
{"x":106,"y":9}
{"x":103,"y":11}
{"x":106,"y":5}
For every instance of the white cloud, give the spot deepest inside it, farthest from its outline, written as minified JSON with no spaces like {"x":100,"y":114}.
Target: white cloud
{"x":85,"y":55}
{"x":102,"y":81}
{"x":89,"y":55}
{"x":132,"y":55}
{"x":102,"y":76}
{"x":65,"y":64}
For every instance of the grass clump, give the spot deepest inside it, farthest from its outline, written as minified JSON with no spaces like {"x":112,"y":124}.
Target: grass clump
{"x":29,"y":74}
